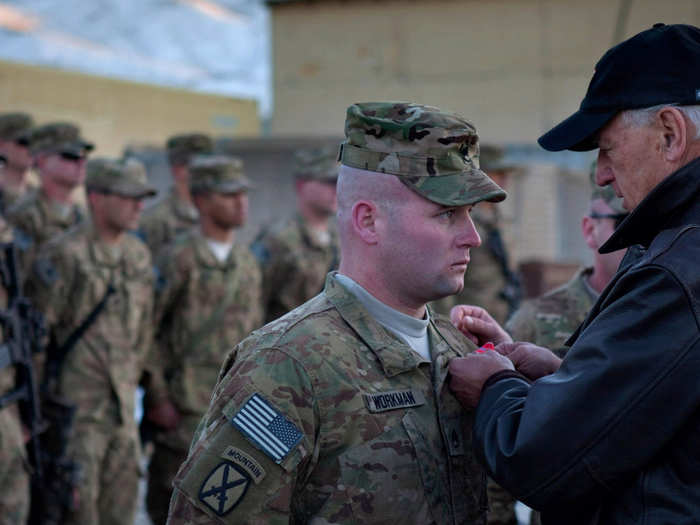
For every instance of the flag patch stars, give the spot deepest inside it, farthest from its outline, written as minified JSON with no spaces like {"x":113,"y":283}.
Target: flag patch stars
{"x":266,"y":428}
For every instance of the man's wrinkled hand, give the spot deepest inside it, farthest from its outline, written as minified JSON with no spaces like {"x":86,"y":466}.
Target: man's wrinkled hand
{"x":478,"y":325}
{"x":530,"y":360}
{"x":164,"y":414}
{"x":468,"y":374}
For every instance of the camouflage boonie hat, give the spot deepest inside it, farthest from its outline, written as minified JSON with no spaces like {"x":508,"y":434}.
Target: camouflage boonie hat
{"x":317,"y":164}
{"x":124,"y":177}
{"x":218,"y":174}
{"x":434,"y":153}
{"x":605,"y":193}
{"x":16,"y":126}
{"x":59,"y":137}
{"x":181,"y":148}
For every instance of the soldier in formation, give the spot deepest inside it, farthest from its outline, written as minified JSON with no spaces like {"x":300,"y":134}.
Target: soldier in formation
{"x":208,"y":299}
{"x":296,"y":254}
{"x":15,"y":133}
{"x":176,"y":213}
{"x":95,"y":285}
{"x":339,"y":412}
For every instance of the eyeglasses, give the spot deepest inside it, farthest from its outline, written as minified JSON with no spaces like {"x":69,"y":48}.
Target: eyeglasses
{"x":617,"y":217}
{"x":70,"y":156}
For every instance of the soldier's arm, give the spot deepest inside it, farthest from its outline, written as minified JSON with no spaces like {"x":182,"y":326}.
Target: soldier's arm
{"x":255,"y":444}
{"x":50,"y":282}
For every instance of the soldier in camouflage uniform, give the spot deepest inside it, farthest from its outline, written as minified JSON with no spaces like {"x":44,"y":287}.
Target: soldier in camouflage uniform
{"x":14,"y":468}
{"x":489,"y":281}
{"x":209,"y":299}
{"x":338,"y":412}
{"x":296,"y":254}
{"x":93,"y":264}
{"x":60,"y":155}
{"x":15,"y":132}
{"x":175,"y":214}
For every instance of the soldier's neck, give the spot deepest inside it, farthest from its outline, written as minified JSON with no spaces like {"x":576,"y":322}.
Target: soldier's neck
{"x":212,"y":231}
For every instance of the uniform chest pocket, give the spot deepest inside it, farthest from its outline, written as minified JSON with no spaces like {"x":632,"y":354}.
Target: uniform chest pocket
{"x":382,"y":479}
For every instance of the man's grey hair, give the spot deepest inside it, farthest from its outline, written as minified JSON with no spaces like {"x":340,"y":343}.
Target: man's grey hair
{"x":644,"y":116}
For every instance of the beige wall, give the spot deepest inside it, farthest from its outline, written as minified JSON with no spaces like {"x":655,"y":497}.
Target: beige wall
{"x":515,"y":67}
{"x":115,"y":113}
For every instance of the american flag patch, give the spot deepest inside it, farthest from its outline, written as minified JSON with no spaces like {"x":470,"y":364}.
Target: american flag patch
{"x":266,"y":428}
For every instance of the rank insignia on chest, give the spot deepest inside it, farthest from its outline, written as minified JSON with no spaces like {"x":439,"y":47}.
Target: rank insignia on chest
{"x":266,"y":428}
{"x":224,"y":488}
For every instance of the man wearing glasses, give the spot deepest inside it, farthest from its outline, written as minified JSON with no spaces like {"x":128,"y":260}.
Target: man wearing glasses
{"x":15,"y":130}
{"x":549,"y":320}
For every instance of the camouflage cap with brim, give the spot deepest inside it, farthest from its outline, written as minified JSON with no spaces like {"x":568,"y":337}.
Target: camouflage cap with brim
{"x":319,"y":164}
{"x":605,"y":193}
{"x":123,"y":177}
{"x":493,"y":158}
{"x":59,"y":137}
{"x":181,"y":148}
{"x":434,"y":153}
{"x":16,"y":126}
{"x":217,"y":174}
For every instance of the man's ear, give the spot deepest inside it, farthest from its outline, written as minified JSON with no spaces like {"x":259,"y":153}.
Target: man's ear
{"x":587,"y":227}
{"x":364,"y":221}
{"x":675,"y":131}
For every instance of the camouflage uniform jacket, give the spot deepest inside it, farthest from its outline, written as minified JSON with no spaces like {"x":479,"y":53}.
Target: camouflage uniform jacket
{"x":549,"y":320}
{"x":294,"y":264}
{"x":70,"y":277}
{"x":484,"y":281}
{"x":370,"y":431}
{"x":162,"y":223}
{"x":204,"y":307}
{"x":36,"y":220}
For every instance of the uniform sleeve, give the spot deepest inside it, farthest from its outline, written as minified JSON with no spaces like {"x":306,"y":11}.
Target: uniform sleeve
{"x":575,"y":434}
{"x":50,"y":282}
{"x":521,"y":326}
{"x":255,"y":444}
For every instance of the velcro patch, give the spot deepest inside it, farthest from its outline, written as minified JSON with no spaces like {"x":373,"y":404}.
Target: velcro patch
{"x":224,"y":488}
{"x":394,"y":400}
{"x":266,"y":428}
{"x":246,"y":462}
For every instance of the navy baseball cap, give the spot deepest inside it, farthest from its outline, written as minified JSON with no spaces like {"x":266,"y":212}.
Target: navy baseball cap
{"x":658,"y":66}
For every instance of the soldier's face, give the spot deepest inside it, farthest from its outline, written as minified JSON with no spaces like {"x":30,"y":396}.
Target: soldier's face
{"x":17,"y":155}
{"x":122,"y":213}
{"x":64,"y":169}
{"x":319,"y":195}
{"x":426,"y":248}
{"x":228,"y":210}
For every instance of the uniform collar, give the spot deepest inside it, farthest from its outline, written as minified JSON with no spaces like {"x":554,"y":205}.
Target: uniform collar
{"x":50,"y":210}
{"x":310,"y":237}
{"x":207,"y":258}
{"x":395,"y":356}
{"x":104,"y":254}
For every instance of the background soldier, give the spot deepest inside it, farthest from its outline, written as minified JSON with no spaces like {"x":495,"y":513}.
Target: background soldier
{"x":209,"y":299}
{"x":489,"y":281}
{"x":14,"y":467}
{"x":97,"y":281}
{"x":338,"y":412}
{"x":15,"y":132}
{"x":176,"y":213}
{"x":296,"y":254}
{"x":59,"y":155}
{"x":550,"y":320}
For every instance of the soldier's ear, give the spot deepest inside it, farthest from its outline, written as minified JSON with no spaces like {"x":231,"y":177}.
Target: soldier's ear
{"x":587,"y":229}
{"x":364,"y":221}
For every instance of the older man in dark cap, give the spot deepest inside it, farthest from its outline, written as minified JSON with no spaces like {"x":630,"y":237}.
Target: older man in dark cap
{"x":622,"y":411}
{"x":339,"y":411}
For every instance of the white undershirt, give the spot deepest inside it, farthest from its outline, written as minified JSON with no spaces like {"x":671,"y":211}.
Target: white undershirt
{"x":220,"y":249}
{"x":413,"y":331}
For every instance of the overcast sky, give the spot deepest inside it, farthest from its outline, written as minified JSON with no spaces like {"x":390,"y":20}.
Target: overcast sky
{"x":215,"y":46}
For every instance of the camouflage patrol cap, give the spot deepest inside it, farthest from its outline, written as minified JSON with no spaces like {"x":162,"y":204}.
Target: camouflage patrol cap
{"x":181,"y":148}
{"x":218,"y":174}
{"x":491,"y":158}
{"x":317,"y":164}
{"x":124,"y":177}
{"x":605,"y":193}
{"x":59,"y":137}
{"x":434,"y":153}
{"x":16,"y":126}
